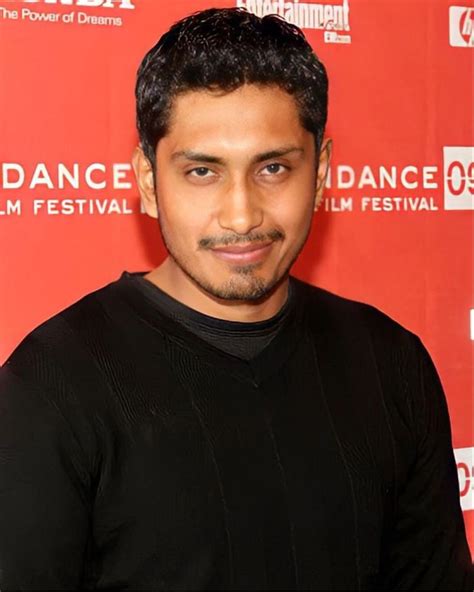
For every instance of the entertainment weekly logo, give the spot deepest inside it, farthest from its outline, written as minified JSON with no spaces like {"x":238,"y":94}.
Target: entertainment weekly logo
{"x":461,"y":26}
{"x":465,"y":465}
{"x":333,"y":19}
{"x":34,"y":12}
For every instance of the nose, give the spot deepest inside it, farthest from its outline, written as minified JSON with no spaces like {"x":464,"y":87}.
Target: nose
{"x":240,"y":208}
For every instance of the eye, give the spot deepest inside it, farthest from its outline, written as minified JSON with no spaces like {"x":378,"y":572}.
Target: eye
{"x":200,"y":172}
{"x":275,"y":168}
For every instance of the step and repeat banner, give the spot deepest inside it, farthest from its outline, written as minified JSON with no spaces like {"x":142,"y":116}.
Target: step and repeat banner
{"x":396,"y":225}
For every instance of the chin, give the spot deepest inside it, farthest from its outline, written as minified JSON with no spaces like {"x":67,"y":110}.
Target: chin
{"x":244,"y":288}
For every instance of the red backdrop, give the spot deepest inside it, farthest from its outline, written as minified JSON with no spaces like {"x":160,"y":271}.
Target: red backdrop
{"x":396,"y":227}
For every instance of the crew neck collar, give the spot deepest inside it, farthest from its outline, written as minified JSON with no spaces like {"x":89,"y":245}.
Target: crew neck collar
{"x":180,"y":310}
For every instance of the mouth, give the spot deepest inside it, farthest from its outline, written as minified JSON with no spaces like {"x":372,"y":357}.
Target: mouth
{"x":243,"y":253}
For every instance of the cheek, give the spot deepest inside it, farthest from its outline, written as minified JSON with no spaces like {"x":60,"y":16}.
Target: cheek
{"x":179,"y":225}
{"x":296,"y":206}
{"x":178,"y":212}
{"x":294,"y":216}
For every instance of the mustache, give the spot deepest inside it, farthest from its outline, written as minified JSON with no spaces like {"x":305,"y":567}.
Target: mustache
{"x":211,"y":242}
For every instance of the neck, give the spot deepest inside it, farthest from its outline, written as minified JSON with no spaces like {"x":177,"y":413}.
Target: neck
{"x":179,"y":286}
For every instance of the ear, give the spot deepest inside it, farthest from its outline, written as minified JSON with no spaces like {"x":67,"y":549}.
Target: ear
{"x":323,"y":169}
{"x":145,"y":181}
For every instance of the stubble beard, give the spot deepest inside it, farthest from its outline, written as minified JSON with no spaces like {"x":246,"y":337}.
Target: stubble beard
{"x":245,"y":285}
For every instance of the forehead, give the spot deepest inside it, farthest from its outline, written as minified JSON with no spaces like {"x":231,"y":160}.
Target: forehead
{"x":249,"y":112}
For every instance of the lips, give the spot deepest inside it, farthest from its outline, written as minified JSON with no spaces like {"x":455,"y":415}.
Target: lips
{"x":243,"y":253}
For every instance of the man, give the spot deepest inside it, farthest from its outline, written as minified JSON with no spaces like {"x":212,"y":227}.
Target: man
{"x":216,"y":424}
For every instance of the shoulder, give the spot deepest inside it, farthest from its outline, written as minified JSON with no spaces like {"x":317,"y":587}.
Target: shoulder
{"x":50,"y":386}
{"x":61,"y":335}
{"x":347,"y":317}
{"x":66,"y":372}
{"x":67,"y":357}
{"x":358,"y":335}
{"x":87,"y":358}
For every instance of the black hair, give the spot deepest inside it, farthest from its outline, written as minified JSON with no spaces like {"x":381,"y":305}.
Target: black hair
{"x":222,"y":49}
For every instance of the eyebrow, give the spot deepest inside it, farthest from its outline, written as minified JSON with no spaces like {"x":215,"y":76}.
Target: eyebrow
{"x":209,"y":158}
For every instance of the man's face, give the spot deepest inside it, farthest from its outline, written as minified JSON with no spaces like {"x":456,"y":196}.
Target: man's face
{"x":236,"y":179}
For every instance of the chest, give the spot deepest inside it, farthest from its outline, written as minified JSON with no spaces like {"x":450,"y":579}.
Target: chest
{"x":223,"y":479}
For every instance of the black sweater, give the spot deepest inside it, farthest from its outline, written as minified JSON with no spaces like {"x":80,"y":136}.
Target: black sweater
{"x":135,"y":455}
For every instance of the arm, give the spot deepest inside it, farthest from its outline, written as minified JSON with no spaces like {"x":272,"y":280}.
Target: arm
{"x":428,"y":549}
{"x":44,"y":500}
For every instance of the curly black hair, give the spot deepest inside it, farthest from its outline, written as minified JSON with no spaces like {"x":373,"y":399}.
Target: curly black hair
{"x":221,"y":49}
